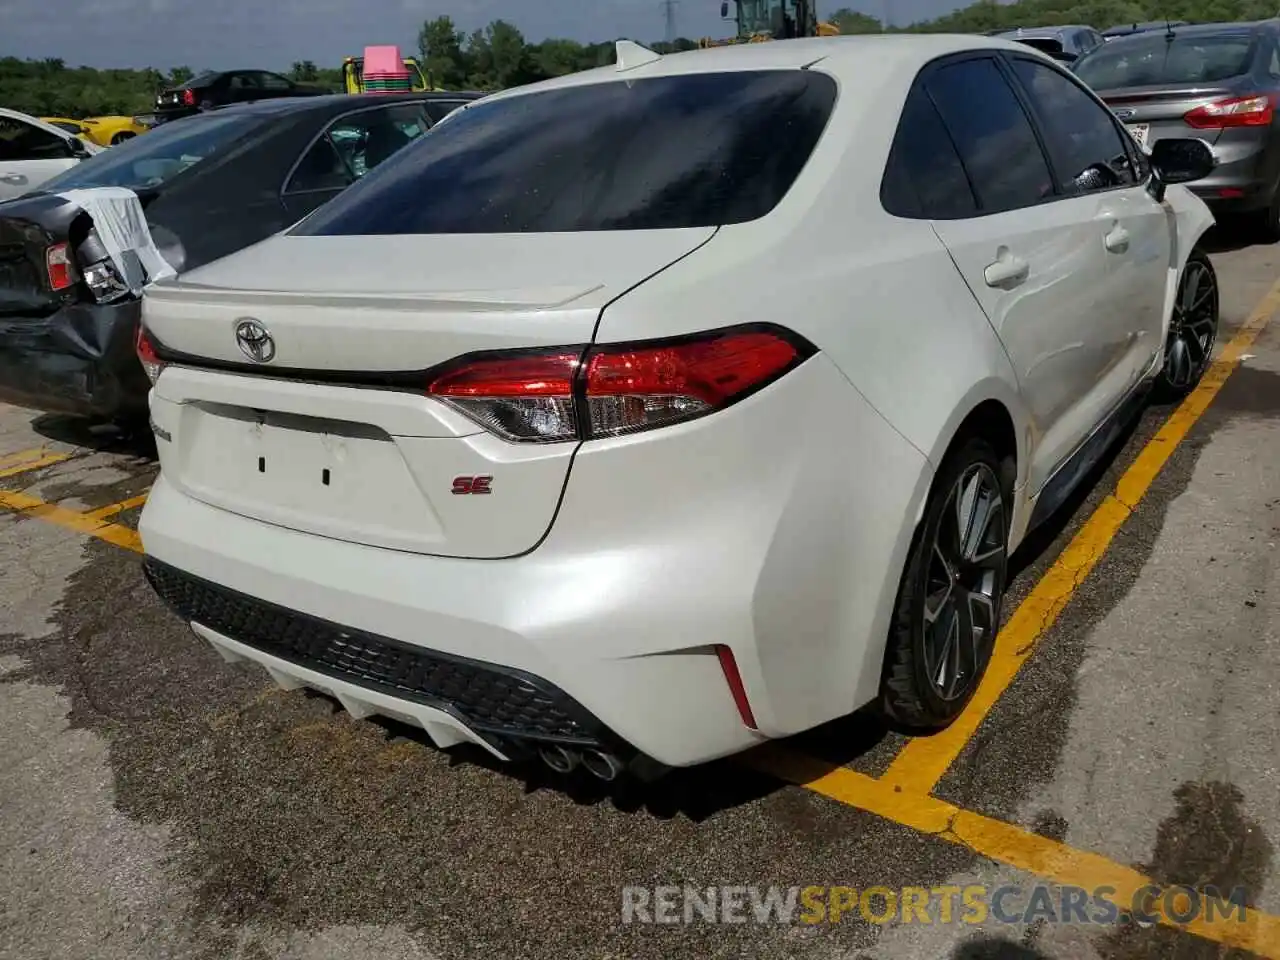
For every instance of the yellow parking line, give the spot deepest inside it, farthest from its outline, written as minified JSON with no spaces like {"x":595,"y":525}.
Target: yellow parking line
{"x":20,"y":456}
{"x":1008,"y":844}
{"x":71,"y":519}
{"x":923,"y":761}
{"x":111,"y":509}
{"x":45,"y":461}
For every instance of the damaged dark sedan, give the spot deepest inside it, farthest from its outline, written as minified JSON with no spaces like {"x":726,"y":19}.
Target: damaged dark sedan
{"x":207,"y":185}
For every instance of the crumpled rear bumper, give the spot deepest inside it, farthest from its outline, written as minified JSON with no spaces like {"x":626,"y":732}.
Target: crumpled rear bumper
{"x":78,"y":360}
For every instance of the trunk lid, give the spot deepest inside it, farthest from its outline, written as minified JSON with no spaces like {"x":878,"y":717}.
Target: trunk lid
{"x":335,"y":435}
{"x":1159,"y":108}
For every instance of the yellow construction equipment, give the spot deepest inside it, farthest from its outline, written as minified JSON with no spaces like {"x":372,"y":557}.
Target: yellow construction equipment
{"x":760,"y":20}
{"x":383,"y":70}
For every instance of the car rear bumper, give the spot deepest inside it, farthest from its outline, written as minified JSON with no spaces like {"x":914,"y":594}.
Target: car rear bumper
{"x":739,"y":530}
{"x":79,"y":360}
{"x":1244,"y":179}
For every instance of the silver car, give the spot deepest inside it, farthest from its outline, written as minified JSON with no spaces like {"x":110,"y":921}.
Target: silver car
{"x":1065,"y":43}
{"x":1216,"y":82}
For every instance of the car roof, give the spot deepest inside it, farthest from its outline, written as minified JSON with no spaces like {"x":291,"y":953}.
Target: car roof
{"x":1034,"y":32}
{"x":864,"y":57}
{"x":1230,"y":28}
{"x":338,"y":102}
{"x":35,"y":121}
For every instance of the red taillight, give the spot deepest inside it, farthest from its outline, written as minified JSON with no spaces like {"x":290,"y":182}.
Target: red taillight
{"x":57,"y":260}
{"x":1256,"y":111}
{"x":578,"y":393}
{"x":189,"y":98}
{"x":145,"y":347}
{"x":525,"y":397}
{"x":733,"y":677}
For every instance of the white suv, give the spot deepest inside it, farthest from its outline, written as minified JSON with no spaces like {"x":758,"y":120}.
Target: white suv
{"x":654,"y":411}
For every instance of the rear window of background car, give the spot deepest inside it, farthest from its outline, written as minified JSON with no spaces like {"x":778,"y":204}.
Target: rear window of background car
{"x":666,"y":152}
{"x":1151,"y":59}
{"x":159,"y":156}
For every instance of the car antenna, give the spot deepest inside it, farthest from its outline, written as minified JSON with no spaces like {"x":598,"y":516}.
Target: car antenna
{"x":632,"y":55}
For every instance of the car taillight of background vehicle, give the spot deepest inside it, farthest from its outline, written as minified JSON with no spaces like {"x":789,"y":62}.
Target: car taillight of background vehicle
{"x":145,"y":347}
{"x":580,"y":393}
{"x":188,"y":98}
{"x":61,"y":269}
{"x":1253,"y":111}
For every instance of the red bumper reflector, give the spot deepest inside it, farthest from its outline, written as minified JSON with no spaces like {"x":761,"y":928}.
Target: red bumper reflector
{"x":731,"y":675}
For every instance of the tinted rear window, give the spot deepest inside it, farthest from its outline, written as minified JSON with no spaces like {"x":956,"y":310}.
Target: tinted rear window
{"x":165,"y":152}
{"x":1150,"y":59}
{"x":688,"y":151}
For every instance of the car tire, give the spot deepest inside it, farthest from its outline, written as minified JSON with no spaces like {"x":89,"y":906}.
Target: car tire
{"x":1193,"y":329}
{"x":953,"y":585}
{"x":121,"y":137}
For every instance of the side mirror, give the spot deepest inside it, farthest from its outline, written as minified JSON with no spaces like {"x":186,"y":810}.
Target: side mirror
{"x":1181,"y":160}
{"x":77,"y":149}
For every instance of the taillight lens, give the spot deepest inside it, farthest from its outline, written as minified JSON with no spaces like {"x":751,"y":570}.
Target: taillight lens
{"x":57,"y":260}
{"x":636,"y":388}
{"x":1254,"y":111}
{"x":189,"y":98}
{"x":145,"y":347}
{"x":579,"y":393}
{"x":526,"y":396}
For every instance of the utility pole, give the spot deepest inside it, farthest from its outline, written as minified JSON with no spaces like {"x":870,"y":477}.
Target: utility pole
{"x":669,"y":16}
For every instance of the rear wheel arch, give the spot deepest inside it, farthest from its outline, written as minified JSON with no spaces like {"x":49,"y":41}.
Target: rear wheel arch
{"x":991,"y":415}
{"x":991,"y":421}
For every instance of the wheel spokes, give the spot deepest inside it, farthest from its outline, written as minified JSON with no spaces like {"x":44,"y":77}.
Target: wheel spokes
{"x":966,"y":572}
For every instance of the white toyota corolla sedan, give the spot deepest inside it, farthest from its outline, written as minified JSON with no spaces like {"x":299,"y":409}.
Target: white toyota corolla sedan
{"x":655,"y":411}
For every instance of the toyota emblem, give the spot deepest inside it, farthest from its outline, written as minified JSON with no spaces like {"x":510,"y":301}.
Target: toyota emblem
{"x":255,"y":340}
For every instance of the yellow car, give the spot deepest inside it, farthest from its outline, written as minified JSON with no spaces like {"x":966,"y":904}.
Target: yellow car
{"x":71,"y":126}
{"x":108,"y":131}
{"x":104,"y":131}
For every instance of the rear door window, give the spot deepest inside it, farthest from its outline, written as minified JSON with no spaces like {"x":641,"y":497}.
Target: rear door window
{"x":992,"y":133}
{"x":665,"y":152}
{"x":273,"y":81}
{"x":1088,"y":152}
{"x":924,"y":176}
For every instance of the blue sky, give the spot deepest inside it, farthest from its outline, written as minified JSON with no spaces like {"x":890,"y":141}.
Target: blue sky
{"x":273,"y":33}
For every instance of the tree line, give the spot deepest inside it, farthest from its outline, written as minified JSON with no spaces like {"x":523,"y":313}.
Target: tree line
{"x":499,"y":56}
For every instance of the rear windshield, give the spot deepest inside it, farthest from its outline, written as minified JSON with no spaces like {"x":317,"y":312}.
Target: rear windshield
{"x":1150,"y":59}
{"x":689,"y":151}
{"x":1044,"y":44}
{"x":152,"y":160}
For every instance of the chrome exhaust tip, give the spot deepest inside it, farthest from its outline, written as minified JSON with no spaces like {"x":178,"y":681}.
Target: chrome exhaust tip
{"x":558,"y":758}
{"x":603,"y":765}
